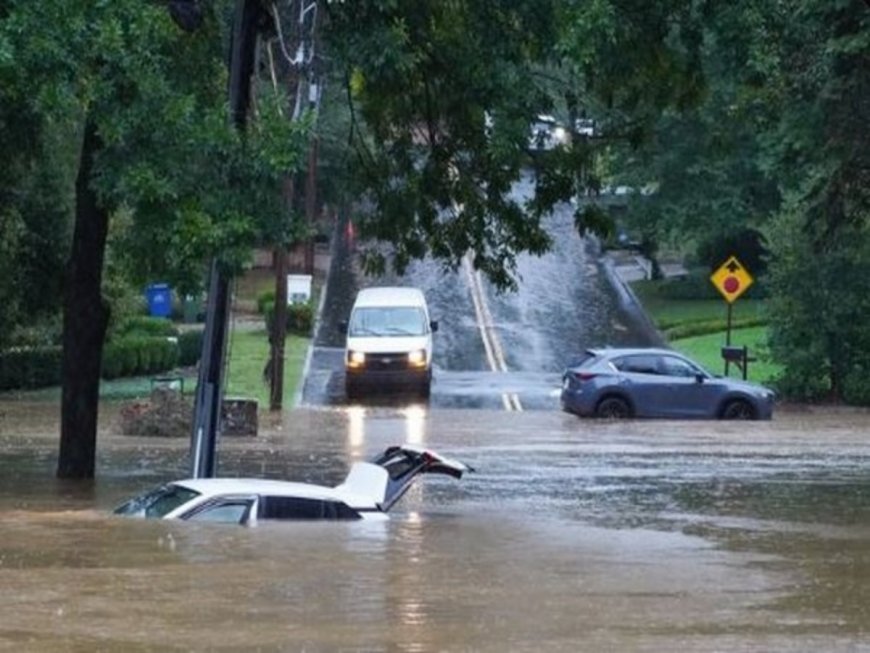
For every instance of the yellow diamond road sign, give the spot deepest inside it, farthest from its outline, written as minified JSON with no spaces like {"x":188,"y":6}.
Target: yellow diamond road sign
{"x":731,"y":279}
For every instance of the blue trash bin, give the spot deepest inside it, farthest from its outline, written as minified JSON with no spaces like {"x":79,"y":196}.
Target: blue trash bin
{"x":159,"y":297}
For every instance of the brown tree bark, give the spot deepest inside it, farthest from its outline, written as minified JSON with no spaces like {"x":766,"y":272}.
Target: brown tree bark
{"x":85,"y":318}
{"x":311,"y":203}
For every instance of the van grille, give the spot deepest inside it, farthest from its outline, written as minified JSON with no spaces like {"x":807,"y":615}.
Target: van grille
{"x":387,"y":362}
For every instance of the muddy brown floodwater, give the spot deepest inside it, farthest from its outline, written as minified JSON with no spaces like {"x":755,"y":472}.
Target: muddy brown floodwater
{"x":571,"y":536}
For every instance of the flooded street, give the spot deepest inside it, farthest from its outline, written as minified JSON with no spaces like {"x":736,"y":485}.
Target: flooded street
{"x":490,"y":345}
{"x":570,"y":536}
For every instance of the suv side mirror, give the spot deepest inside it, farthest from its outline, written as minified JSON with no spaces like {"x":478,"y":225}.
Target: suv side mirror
{"x":699,"y":377}
{"x":433,"y":325}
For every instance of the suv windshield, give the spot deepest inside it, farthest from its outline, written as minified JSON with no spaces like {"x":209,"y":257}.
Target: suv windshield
{"x":157,"y":503}
{"x":387,"y":321}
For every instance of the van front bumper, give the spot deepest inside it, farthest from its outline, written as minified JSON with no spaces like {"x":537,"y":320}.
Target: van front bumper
{"x":392,"y":378}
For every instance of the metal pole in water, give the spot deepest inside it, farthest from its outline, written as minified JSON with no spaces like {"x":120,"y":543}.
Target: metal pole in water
{"x":209,"y":391}
{"x":728,"y":337}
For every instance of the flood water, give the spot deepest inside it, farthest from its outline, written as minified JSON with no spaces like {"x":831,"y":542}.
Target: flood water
{"x":570,"y":536}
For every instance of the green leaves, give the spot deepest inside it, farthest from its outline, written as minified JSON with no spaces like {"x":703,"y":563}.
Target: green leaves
{"x":182,"y":183}
{"x":445,"y":94}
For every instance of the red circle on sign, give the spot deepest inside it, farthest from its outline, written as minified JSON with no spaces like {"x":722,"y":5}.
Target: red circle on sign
{"x":731,"y":284}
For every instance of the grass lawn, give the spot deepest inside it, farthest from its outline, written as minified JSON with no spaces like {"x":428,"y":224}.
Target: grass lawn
{"x":707,"y":351}
{"x":248,"y":353}
{"x":667,"y":312}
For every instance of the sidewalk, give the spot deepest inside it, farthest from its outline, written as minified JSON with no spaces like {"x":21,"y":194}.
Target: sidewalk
{"x":623,"y":267}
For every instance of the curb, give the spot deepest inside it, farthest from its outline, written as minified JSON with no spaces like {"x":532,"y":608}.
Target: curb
{"x":309,"y":354}
{"x":629,"y":299}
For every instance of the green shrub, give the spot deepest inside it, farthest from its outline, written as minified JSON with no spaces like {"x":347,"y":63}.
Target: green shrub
{"x":856,"y":386}
{"x":113,"y":363}
{"x":300,"y":318}
{"x":143,"y":325}
{"x":691,"y":286}
{"x":144,"y":358}
{"x":748,"y":245}
{"x":139,"y":356}
{"x":190,"y":347}
{"x":697,"y":285}
{"x":33,"y":367}
{"x":121,"y":358}
{"x":37,"y":367}
{"x":157,"y":355}
{"x":169,"y":354}
{"x":265,"y":300}
{"x":44,"y":333}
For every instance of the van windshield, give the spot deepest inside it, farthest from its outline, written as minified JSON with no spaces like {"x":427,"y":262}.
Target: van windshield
{"x":388,"y":321}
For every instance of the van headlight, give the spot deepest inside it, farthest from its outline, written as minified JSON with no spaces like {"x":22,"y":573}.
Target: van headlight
{"x":356,"y":359}
{"x":417,"y":358}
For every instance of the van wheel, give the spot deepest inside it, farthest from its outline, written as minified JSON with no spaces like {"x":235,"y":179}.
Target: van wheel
{"x":425,"y":390}
{"x":351,"y":390}
{"x":613,"y":408}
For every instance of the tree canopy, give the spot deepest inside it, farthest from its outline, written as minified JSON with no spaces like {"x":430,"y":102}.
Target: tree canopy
{"x":444,"y":94}
{"x":741,"y":117}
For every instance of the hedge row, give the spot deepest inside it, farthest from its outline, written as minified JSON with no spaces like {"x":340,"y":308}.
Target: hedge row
{"x":32,"y":367}
{"x":705,"y":327}
{"x":145,"y":325}
{"x":138,"y":356}
{"x":37,"y":367}
{"x":189,"y":347}
{"x":697,"y":285}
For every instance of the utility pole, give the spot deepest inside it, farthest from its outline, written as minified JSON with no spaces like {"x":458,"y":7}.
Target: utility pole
{"x":311,"y":203}
{"x":301,"y":43}
{"x":209,"y":391}
{"x":315,"y":89}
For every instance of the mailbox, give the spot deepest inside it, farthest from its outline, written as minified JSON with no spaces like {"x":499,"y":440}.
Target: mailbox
{"x":734,"y":354}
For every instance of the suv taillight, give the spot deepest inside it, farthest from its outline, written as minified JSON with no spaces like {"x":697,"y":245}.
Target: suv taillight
{"x":583,"y":376}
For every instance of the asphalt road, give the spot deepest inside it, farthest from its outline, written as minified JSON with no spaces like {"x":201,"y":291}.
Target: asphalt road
{"x":492,"y":349}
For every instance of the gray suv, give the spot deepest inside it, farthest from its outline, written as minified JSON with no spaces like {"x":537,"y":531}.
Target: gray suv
{"x":619,"y":383}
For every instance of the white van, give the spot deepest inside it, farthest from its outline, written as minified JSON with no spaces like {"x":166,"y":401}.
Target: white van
{"x":389,"y":341}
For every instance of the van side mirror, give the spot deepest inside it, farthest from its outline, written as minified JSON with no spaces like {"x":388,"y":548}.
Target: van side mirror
{"x":342,"y":326}
{"x":433,"y":325}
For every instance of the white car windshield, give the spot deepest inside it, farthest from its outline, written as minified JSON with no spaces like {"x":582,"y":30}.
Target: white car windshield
{"x":157,"y":503}
{"x":388,"y":321}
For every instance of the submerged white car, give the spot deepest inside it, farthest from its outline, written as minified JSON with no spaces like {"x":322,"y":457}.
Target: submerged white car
{"x":368,"y":492}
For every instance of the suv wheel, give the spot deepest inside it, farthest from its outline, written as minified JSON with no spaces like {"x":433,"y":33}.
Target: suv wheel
{"x":738,"y":409}
{"x":613,"y":408}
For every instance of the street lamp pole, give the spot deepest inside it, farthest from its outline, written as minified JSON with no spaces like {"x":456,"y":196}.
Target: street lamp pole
{"x":209,"y":392}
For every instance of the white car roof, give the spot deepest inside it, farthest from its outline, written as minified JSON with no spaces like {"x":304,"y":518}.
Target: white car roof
{"x":211,"y":487}
{"x":390,"y":296}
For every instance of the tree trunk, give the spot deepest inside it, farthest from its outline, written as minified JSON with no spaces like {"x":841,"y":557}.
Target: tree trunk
{"x":85,"y":318}
{"x":311,"y":203}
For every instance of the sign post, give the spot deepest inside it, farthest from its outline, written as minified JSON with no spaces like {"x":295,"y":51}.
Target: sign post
{"x":731,"y":280}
